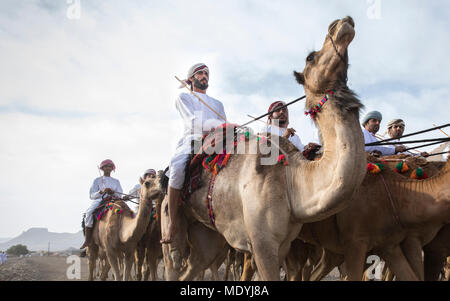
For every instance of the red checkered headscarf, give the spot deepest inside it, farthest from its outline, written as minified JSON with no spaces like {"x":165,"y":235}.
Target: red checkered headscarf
{"x":274,"y":106}
{"x":106,"y":162}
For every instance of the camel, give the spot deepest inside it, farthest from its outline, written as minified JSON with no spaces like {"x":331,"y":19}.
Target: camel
{"x":370,"y":223}
{"x":149,"y":248}
{"x":119,"y":234}
{"x":261,"y":208}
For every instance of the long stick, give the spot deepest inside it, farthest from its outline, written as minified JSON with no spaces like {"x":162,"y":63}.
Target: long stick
{"x":199,"y":98}
{"x":441,"y":131}
{"x":416,"y":133}
{"x":274,"y":110}
{"x":406,"y":142}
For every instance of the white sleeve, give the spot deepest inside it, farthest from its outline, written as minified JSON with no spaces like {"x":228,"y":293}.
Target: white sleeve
{"x":184,"y":107}
{"x":385,"y":150}
{"x":135,"y":190}
{"x":94,"y":192}
{"x":297,"y":142}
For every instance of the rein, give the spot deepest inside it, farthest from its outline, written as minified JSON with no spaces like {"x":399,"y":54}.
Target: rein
{"x":394,"y":209}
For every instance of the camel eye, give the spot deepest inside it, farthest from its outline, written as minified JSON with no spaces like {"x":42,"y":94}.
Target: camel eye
{"x":310,"y":57}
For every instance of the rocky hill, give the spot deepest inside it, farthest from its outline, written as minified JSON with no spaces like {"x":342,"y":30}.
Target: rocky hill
{"x":37,"y":239}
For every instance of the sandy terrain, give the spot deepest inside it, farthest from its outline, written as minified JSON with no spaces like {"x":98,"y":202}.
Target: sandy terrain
{"x":55,"y":268}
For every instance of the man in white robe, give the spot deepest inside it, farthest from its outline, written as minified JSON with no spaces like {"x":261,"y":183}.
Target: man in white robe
{"x":102,"y":187}
{"x":371,"y":124}
{"x":198,"y":119}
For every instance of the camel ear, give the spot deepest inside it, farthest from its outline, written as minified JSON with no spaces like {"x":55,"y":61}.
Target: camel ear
{"x":141,"y":180}
{"x":299,"y":77}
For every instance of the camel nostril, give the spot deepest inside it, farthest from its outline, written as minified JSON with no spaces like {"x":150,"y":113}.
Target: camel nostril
{"x":147,"y":184}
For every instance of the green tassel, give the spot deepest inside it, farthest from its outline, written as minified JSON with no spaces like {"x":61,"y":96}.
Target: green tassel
{"x":247,"y":135}
{"x":381,"y":166}
{"x":419,"y":172}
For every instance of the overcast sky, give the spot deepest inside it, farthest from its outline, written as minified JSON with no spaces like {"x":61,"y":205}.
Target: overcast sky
{"x":82,"y":81}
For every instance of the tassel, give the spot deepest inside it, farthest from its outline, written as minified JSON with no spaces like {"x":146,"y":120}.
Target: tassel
{"x":283,"y":160}
{"x":419,"y":174}
{"x":375,"y":168}
{"x":401,"y":167}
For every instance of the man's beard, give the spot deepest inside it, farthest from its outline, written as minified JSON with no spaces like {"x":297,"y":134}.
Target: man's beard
{"x":199,"y":85}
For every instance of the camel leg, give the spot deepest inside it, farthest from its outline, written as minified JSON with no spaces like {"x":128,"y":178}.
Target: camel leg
{"x":105,"y":270}
{"x":128,"y":264}
{"x":354,"y":258}
{"x":228,"y":265}
{"x":139,"y":259}
{"x":174,"y":252}
{"x":399,"y":264}
{"x":327,"y":263}
{"x":247,"y":271}
{"x":306,"y":271}
{"x":433,"y":264}
{"x":114,"y":263}
{"x":266,"y":257}
{"x":412,"y":248}
{"x":93,"y":255}
{"x":447,"y":269}
{"x":206,"y":247}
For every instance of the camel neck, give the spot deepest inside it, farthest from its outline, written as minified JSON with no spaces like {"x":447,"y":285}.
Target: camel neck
{"x":342,"y":167}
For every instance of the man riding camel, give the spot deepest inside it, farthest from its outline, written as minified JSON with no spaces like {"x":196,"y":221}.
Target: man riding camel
{"x":198,"y":119}
{"x":104,"y":187}
{"x":371,"y":124}
{"x":396,"y":127}
{"x":278,"y":122}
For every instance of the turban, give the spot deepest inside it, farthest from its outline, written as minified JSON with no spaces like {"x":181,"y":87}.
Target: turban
{"x":149,"y":172}
{"x":372,"y":115}
{"x":193,"y":70}
{"x":274,"y":106}
{"x":106,"y":162}
{"x":394,"y":122}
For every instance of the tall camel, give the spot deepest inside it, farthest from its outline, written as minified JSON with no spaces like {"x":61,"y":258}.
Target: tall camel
{"x":119,"y":234}
{"x":261,"y":208}
{"x":370,"y":223}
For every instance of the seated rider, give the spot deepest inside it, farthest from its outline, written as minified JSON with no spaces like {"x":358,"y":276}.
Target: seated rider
{"x":103,"y":187}
{"x":198,"y":120}
{"x":396,"y":127}
{"x":278,"y":123}
{"x":371,"y":124}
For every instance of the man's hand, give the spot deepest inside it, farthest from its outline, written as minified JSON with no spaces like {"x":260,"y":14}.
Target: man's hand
{"x":108,"y":191}
{"x":289,"y":132}
{"x":400,"y":149}
{"x":424,"y":154}
{"x":126,"y":198}
{"x":312,"y":145}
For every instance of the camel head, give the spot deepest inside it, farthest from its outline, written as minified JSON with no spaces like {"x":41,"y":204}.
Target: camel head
{"x":327,"y":69}
{"x":151,"y":189}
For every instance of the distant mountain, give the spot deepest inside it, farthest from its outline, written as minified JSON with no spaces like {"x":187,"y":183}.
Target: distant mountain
{"x":4,"y":239}
{"x":37,"y":239}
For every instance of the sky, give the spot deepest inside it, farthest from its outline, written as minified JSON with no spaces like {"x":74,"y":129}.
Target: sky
{"x":82,"y":81}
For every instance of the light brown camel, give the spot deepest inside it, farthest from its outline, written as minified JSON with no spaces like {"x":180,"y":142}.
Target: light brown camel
{"x":149,"y":249}
{"x":261,"y":208}
{"x":370,"y":223}
{"x":118,"y":234}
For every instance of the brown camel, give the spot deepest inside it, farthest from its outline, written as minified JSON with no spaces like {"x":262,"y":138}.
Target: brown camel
{"x":392,"y":230}
{"x":260,"y":208}
{"x":119,"y":234}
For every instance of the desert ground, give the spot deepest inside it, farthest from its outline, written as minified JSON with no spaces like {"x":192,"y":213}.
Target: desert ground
{"x":55,"y":268}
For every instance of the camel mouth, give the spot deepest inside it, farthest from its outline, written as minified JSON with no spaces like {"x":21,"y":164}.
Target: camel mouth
{"x":343,"y":30}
